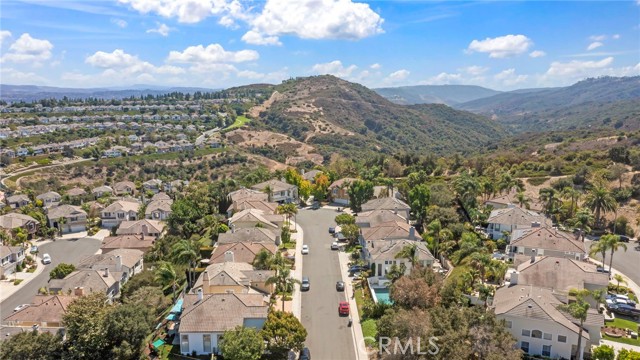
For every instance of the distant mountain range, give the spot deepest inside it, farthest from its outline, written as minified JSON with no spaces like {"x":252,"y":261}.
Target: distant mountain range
{"x":28,"y":93}
{"x":435,"y":94}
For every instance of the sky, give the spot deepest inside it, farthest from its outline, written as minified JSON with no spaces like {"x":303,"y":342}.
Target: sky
{"x":502,"y":45}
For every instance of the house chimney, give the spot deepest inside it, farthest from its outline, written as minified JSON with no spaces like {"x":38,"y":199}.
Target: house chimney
{"x":533,"y":256}
{"x":278,"y":240}
{"x":395,"y":210}
{"x":511,"y":206}
{"x":106,"y":272}
{"x":199,"y":291}
{"x":205,"y":276}
{"x":412,"y":233}
{"x":535,"y":224}
{"x":78,"y":291}
{"x":233,"y":228}
{"x":228,"y":256}
{"x":118,"y":263}
{"x":513,"y":280}
{"x":145,"y":230}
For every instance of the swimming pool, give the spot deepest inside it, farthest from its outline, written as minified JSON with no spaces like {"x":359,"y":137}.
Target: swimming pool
{"x":382,"y":295}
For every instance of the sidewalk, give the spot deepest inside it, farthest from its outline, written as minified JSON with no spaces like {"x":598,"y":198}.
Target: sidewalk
{"x":630,"y":284}
{"x":358,"y":337}
{"x":296,"y":301}
{"x":6,"y":286}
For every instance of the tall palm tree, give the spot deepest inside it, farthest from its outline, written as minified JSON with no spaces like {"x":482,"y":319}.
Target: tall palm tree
{"x":283,"y":282}
{"x":269,"y":191}
{"x":287,"y":210}
{"x":480,"y":262}
{"x":600,"y":201}
{"x":467,"y":188}
{"x":507,"y":183}
{"x":498,"y":269}
{"x":487,"y":187}
{"x":166,"y":275}
{"x":522,"y":199}
{"x":433,"y":230}
{"x":599,"y":247}
{"x":485,"y":293}
{"x":578,"y":310}
{"x":614,"y":244}
{"x":263,"y":260}
{"x":549,"y":198}
{"x":188,"y":253}
{"x":598,"y":295}
{"x":409,"y":252}
{"x":573,"y":195}
{"x":583,"y":219}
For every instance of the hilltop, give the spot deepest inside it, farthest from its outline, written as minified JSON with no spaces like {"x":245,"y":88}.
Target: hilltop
{"x":335,"y":115}
{"x":435,"y":94}
{"x":609,"y":102}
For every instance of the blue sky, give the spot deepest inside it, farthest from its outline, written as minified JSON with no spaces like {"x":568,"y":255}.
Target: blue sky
{"x":220,"y":43}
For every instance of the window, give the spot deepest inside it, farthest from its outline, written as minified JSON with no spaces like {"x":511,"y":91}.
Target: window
{"x":546,"y":350}
{"x":548,"y":336}
{"x":524,"y":346}
{"x":206,"y":341}
{"x":184,"y":343}
{"x":562,"y":338}
{"x":536,"y":334}
{"x":509,"y":324}
{"x":526,"y":332}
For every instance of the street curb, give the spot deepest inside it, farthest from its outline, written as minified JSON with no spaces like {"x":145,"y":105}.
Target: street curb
{"x":296,"y":301}
{"x":630,"y":283}
{"x":6,"y":294}
{"x":356,"y":327}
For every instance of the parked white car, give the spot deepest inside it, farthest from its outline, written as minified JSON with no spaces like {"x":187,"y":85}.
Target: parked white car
{"x":334,"y":245}
{"x":305,"y":249}
{"x":46,"y":259}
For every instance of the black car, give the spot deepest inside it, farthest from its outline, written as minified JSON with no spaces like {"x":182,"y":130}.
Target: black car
{"x":305,"y":354}
{"x":332,"y":230}
{"x":624,"y":309}
{"x":624,"y":238}
{"x":340,"y":286}
{"x":357,"y":268}
{"x":305,"y":285}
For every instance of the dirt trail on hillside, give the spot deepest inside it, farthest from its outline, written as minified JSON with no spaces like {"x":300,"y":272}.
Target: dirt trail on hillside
{"x":255,"y":111}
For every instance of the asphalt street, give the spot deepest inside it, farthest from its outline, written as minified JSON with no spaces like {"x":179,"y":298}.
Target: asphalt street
{"x":61,"y":251}
{"x":329,"y":337}
{"x":627,"y":262}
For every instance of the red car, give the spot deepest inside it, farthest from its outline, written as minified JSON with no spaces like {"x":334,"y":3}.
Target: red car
{"x":343,"y":308}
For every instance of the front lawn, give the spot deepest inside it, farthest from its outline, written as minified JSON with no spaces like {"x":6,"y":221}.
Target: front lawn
{"x":370,"y":330}
{"x":623,"y":324}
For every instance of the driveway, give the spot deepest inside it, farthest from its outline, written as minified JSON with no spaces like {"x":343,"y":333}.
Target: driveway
{"x":329,"y":337}
{"x":625,"y":262}
{"x":67,"y":251}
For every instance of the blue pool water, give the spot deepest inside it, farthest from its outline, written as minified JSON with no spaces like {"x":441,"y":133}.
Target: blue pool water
{"x":382,"y":294}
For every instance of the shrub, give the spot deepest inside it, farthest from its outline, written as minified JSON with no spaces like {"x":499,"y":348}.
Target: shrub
{"x":537,"y":181}
{"x":62,"y":270}
{"x":17,"y":281}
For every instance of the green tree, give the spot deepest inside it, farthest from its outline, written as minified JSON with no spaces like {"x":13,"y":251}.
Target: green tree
{"x":550,"y":199}
{"x":419,"y":197}
{"x":151,"y":297}
{"x":626,"y":354}
{"x":283,"y":332}
{"x":32,"y":345}
{"x":166,"y":275}
{"x":84,"y":324}
{"x":619,"y":279}
{"x":481,"y":262}
{"x":583,"y":220}
{"x":344,"y":219}
{"x":187,"y":252}
{"x":283,"y":281}
{"x":410,"y":253}
{"x":577,"y":309}
{"x":599,"y":247}
{"x":351,"y":232}
{"x":242,"y":343}
{"x":127,"y":326}
{"x":573,"y":195}
{"x":288,"y":210}
{"x":600,"y":201}
{"x":522,"y":200}
{"x":61,"y":270}
{"x":263,"y":260}
{"x":603,"y":352}
{"x":614,"y":244}
{"x":467,"y":189}
{"x":360,"y":191}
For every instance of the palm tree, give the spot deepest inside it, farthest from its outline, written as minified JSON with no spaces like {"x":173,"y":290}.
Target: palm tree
{"x":263,"y":260}
{"x":480,"y":262}
{"x":61,"y":221}
{"x":166,"y":275}
{"x":433,"y":230}
{"x":288,"y":210}
{"x":488,"y":188}
{"x":467,"y":189}
{"x":600,"y":201}
{"x":578,"y":310}
{"x":498,"y":269}
{"x":507,"y":182}
{"x":283,"y":282}
{"x":188,"y":253}
{"x":572,"y":194}
{"x":396,"y":272}
{"x":598,"y":296}
{"x":599,"y":247}
{"x":522,"y":199}
{"x":583,"y":219}
{"x":269,"y":191}
{"x":409,"y":252}
{"x":485,"y":293}
{"x":550,"y":199}
{"x":614,"y":244}
{"x":619,"y":279}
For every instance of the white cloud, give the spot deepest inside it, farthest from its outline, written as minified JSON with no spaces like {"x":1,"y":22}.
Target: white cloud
{"x":162,"y":29}
{"x":397,"y":76}
{"x":594,"y":45}
{"x":117,"y":58}
{"x":502,"y":46}
{"x":119,"y":22}
{"x":375,"y":66}
{"x":577,"y":67}
{"x":213,"y":53}
{"x":186,"y":11}
{"x":509,"y":77}
{"x":598,"y":37}
{"x":313,"y":19}
{"x":256,"y":38}
{"x":4,"y":35}
{"x":28,"y":49}
{"x":616,"y":36}
{"x":118,"y":63}
{"x":443,"y":79}
{"x":537,"y":53}
{"x":474,"y":70}
{"x":334,"y":68}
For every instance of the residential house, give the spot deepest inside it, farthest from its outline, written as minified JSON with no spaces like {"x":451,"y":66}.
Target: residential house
{"x":44,"y":312}
{"x":153,"y":185}
{"x":388,"y":203}
{"x":388,"y":230}
{"x":22,"y":152}
{"x":266,"y":207}
{"x":311,"y":175}
{"x":381,"y":255}
{"x":248,"y":195}
{"x":18,"y":201}
{"x":205,"y":318}
{"x":160,"y":196}
{"x":119,"y":211}
{"x":10,"y":257}
{"x":86,"y":281}
{"x":279,"y":191}
{"x":115,"y":151}
{"x":122,"y":263}
{"x":151,"y":228}
{"x":249,"y":235}
{"x":240,"y":252}
{"x":339,"y":191}
{"x":373,"y":218}
{"x":13,"y":221}
{"x":76,"y":194}
{"x":253,"y":217}
{"x":502,"y":201}
{"x":513,"y":218}
{"x":158,"y":210}
{"x":123,"y":188}
{"x":533,"y":317}
{"x":101,"y":191}
{"x":234,"y":277}
{"x":545,"y":241}
{"x":69,"y":218}
{"x":50,"y":198}
{"x":137,"y":242}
